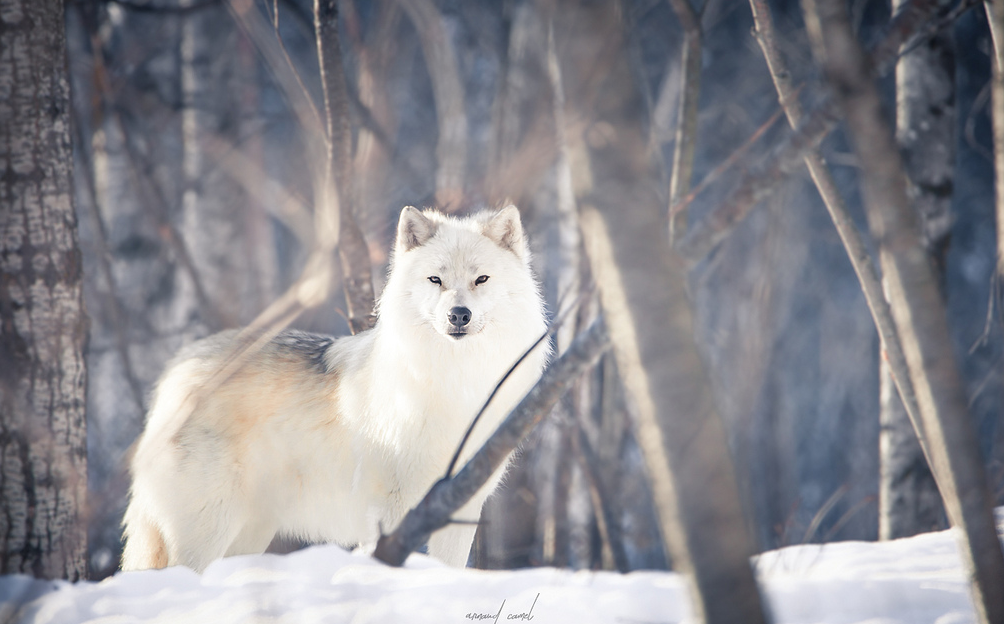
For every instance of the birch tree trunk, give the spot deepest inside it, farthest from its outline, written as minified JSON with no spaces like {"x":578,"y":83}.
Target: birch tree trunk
{"x":43,"y":329}
{"x":909,"y":502}
{"x":213,"y":203}
{"x":917,"y":306}
{"x":448,"y":95}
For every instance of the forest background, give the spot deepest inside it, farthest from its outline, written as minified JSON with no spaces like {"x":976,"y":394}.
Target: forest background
{"x":197,"y":166}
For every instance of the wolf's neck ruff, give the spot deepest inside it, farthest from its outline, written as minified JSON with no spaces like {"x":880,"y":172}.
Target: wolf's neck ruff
{"x":329,"y":440}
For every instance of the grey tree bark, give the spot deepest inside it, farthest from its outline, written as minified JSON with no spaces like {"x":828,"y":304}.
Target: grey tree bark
{"x":338,"y":192}
{"x":995,"y":16}
{"x":909,"y":502}
{"x":43,"y":328}
{"x":917,"y":307}
{"x":214,"y":202}
{"x":686,"y":122}
{"x":643,"y":294}
{"x":448,"y":95}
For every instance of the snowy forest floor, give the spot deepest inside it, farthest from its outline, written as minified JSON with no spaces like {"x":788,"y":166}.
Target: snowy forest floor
{"x":915,"y":580}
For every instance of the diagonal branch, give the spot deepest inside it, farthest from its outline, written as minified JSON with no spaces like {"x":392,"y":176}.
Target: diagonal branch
{"x":686,"y":123}
{"x":449,"y":495}
{"x":759,"y":182}
{"x":861,"y":261}
{"x":917,"y":306}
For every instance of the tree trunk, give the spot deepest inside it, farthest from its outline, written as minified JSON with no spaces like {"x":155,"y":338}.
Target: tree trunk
{"x":643,"y":293}
{"x":448,"y":95}
{"x":995,"y":16}
{"x":909,"y":502}
{"x":43,"y":329}
{"x":338,"y":193}
{"x":917,"y":305}
{"x":213,"y":203}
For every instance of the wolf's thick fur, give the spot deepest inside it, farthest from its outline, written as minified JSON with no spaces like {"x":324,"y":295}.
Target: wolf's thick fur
{"x":333,"y":439}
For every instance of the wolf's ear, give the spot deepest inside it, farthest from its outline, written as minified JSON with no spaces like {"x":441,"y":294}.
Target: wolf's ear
{"x":506,"y":230}
{"x":414,"y":229}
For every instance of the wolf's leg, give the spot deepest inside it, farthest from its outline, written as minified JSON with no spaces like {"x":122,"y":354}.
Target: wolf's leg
{"x":205,"y":530}
{"x":254,"y":538}
{"x":452,"y":544}
{"x":144,"y":547}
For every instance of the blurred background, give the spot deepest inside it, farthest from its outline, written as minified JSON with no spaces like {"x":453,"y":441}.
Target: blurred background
{"x":196,"y":176}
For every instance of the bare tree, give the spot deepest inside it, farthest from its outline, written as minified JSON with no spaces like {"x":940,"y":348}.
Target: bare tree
{"x":337,"y":190}
{"x":909,"y":502}
{"x":645,"y":303}
{"x":213,"y":203}
{"x":448,"y":93}
{"x":916,"y":303}
{"x":995,"y":16}
{"x":43,"y":328}
{"x":686,"y":123}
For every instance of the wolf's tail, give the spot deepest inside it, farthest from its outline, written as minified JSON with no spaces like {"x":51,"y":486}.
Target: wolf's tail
{"x":145,"y":547}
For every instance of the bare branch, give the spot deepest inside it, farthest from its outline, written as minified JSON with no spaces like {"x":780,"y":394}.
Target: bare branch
{"x":449,"y":495}
{"x":995,"y":16}
{"x":264,"y":37}
{"x":759,"y":182}
{"x":606,"y":515}
{"x":336,"y":194}
{"x":686,"y":123}
{"x":917,"y":307}
{"x":861,"y":261}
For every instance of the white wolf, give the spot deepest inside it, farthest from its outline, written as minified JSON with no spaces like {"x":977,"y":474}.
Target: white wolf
{"x":333,"y":439}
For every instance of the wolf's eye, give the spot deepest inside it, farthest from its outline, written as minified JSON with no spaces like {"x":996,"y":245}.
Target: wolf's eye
{"x":435,"y":280}
{"x":481,"y":280}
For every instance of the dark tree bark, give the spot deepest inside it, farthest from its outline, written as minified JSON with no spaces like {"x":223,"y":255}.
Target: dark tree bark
{"x":337,"y":193}
{"x":917,"y":306}
{"x":43,"y":329}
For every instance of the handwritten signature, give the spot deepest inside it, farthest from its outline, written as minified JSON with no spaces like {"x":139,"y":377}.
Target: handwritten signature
{"x":525,"y":616}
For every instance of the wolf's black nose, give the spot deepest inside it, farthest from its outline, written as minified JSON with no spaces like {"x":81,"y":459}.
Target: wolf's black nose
{"x":459,"y":316}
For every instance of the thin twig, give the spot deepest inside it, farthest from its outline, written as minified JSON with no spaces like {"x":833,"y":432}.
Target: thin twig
{"x":448,"y":495}
{"x":606,"y":516}
{"x":270,"y":46}
{"x":758,"y":183}
{"x":822,"y":512}
{"x":686,"y":123}
{"x":916,"y":303}
{"x":861,"y":260}
{"x":681,"y":204}
{"x":552,"y":327}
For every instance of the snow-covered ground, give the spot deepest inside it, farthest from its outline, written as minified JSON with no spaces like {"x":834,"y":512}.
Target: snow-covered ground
{"x":915,"y":581}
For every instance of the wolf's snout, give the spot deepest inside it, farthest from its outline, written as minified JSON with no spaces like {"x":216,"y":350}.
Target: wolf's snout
{"x":459,"y":316}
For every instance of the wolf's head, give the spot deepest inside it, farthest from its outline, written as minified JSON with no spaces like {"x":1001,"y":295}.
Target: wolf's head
{"x":460,"y":277}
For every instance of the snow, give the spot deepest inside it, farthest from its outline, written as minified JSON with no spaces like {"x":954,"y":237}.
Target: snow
{"x":915,"y":580}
